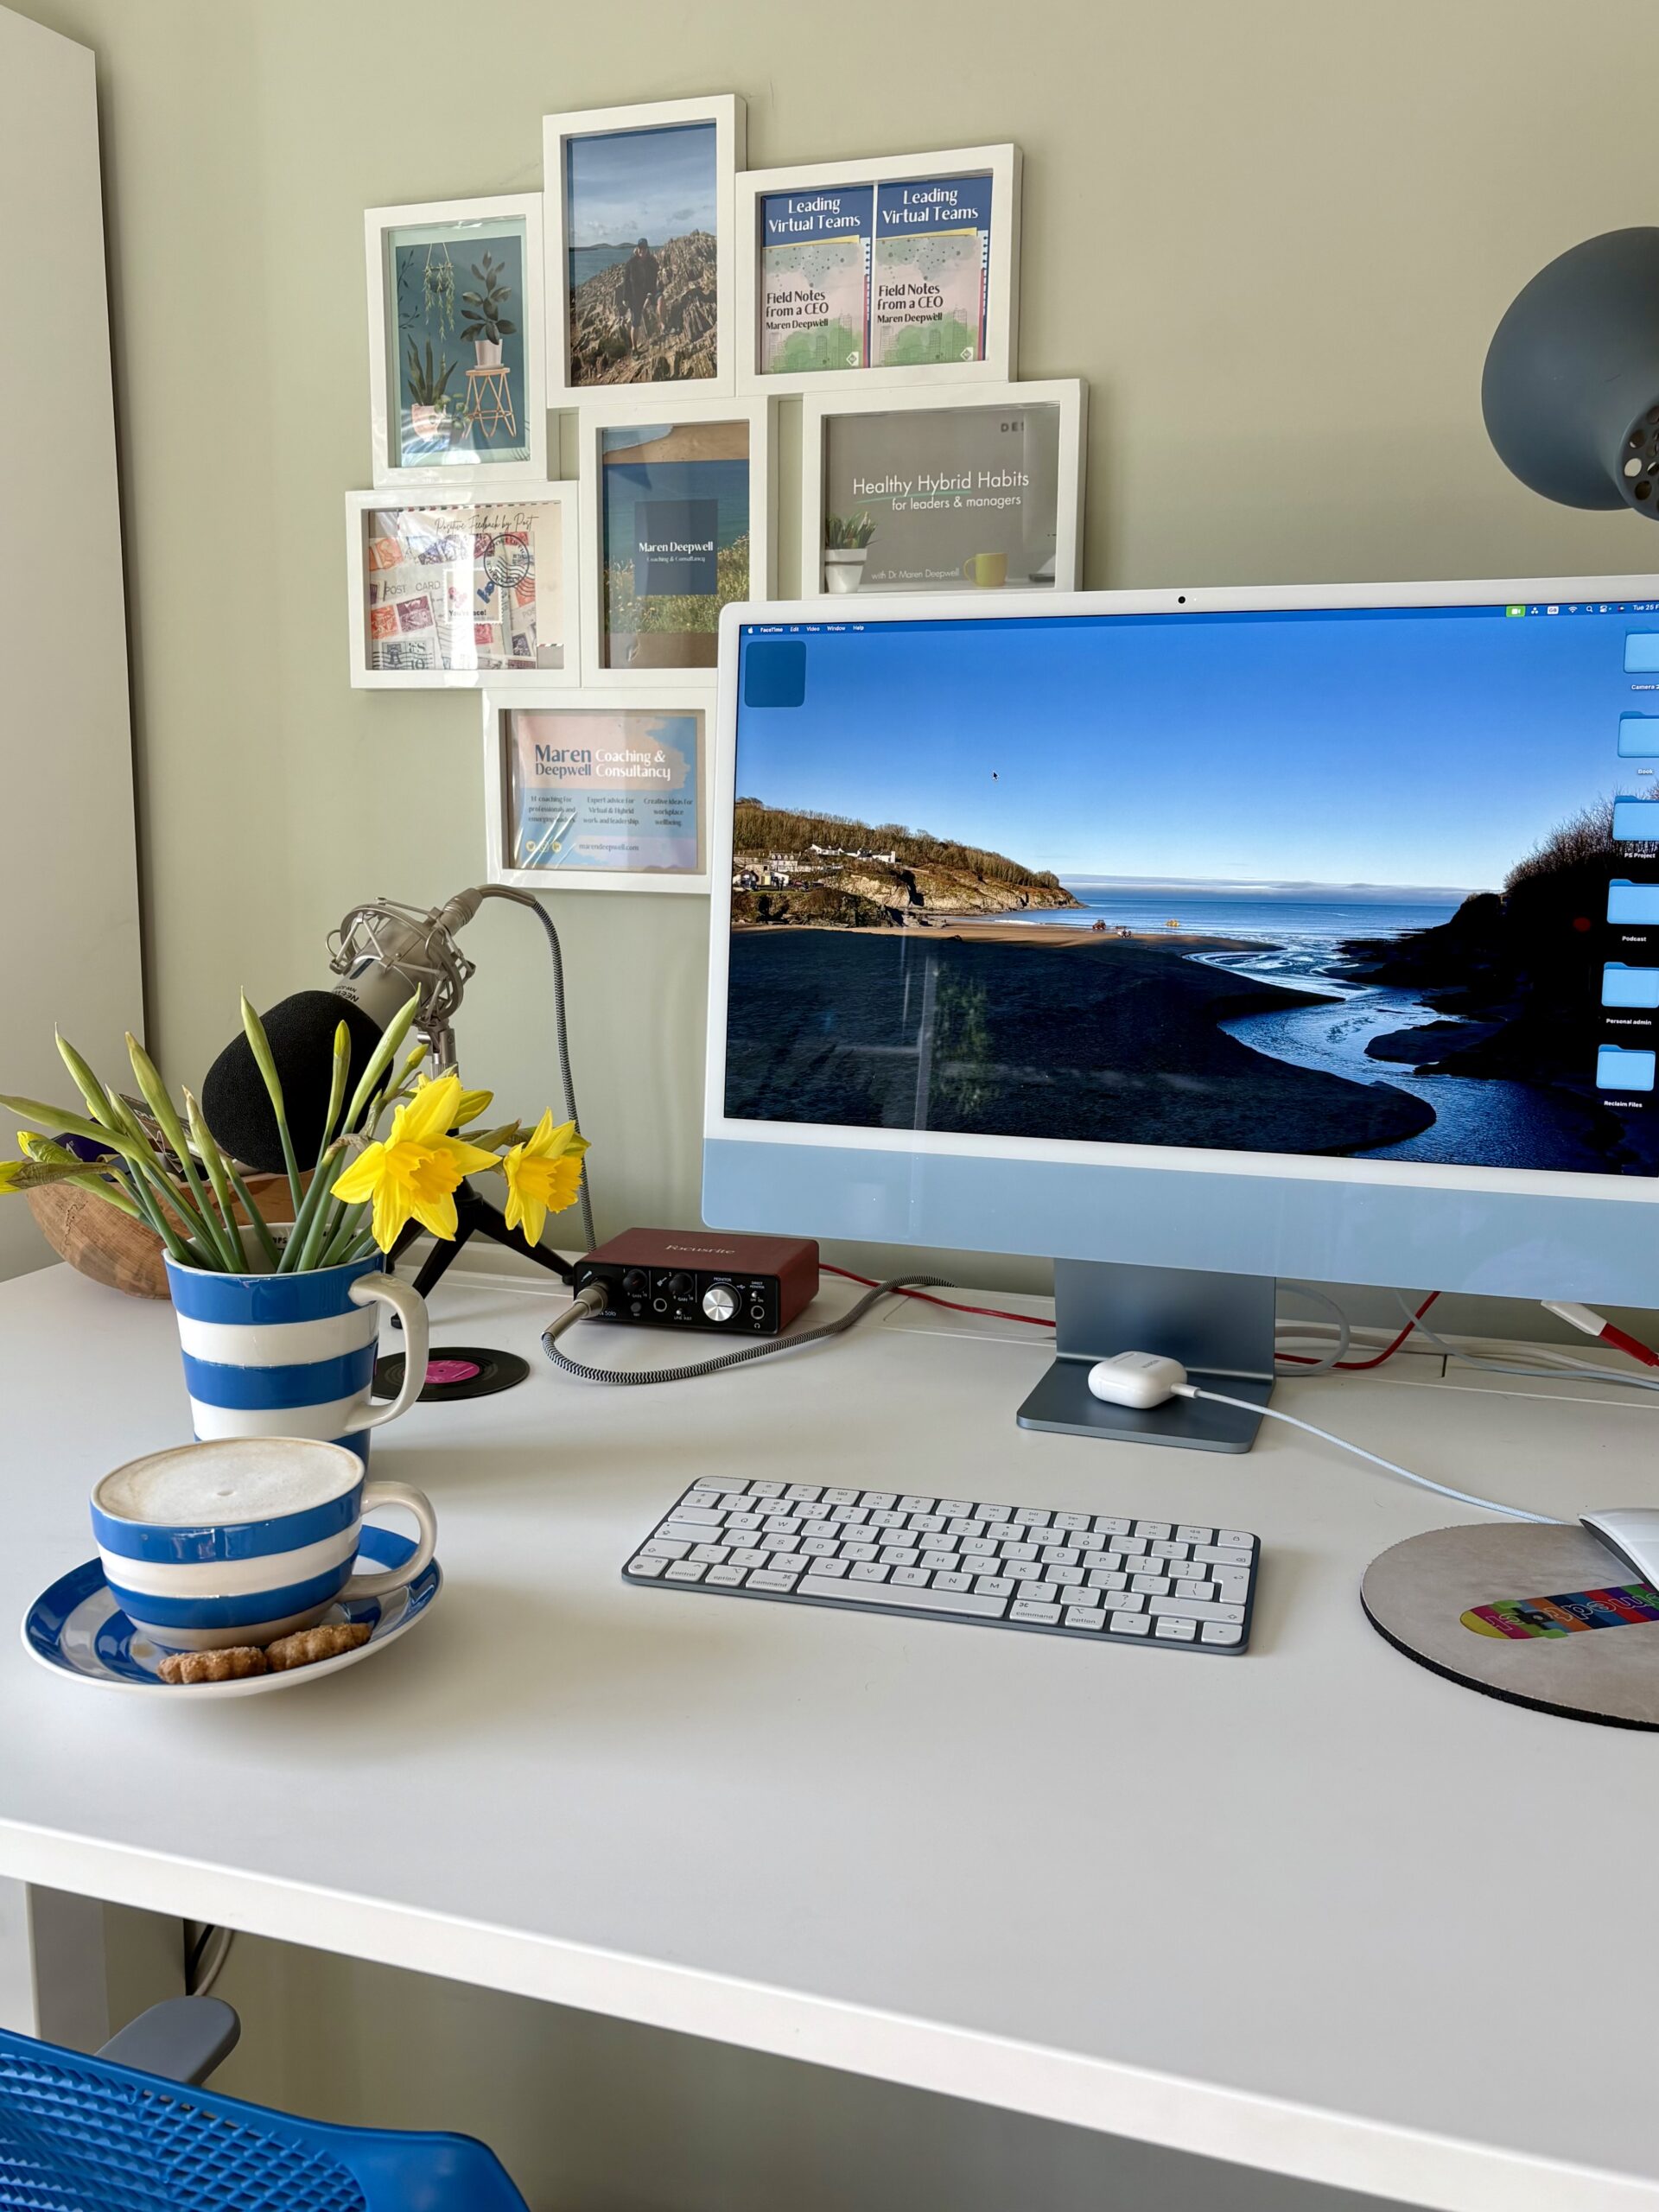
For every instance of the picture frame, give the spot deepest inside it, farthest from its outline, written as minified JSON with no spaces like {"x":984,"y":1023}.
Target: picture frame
{"x":424,"y":262}
{"x":414,"y":591}
{"x":780,"y":280}
{"x":607,"y":432}
{"x":1024,"y":548}
{"x":585,"y":802}
{"x":686,"y":151}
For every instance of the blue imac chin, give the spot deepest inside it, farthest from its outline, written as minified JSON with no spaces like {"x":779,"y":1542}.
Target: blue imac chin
{"x":1195,"y":939}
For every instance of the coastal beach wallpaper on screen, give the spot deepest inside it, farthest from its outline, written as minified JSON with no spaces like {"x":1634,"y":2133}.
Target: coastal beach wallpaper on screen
{"x":1349,"y":885}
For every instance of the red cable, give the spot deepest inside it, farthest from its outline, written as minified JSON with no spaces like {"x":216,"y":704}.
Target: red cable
{"x":1358,"y":1366}
{"x":993,"y":1312}
{"x":1620,"y":1341}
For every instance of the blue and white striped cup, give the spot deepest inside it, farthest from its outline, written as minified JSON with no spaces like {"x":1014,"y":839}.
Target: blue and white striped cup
{"x":244,"y":1540}
{"x":269,"y":1355}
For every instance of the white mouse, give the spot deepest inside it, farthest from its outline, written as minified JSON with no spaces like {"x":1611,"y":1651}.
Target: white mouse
{"x":1631,"y":1533}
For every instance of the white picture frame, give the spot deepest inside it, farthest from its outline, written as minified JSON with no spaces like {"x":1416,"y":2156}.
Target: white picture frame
{"x":1002,"y":164}
{"x":640,"y":407}
{"x":726,"y":113}
{"x":819,"y":409}
{"x":470,"y":500}
{"x":385,"y":416}
{"x":503,"y":860}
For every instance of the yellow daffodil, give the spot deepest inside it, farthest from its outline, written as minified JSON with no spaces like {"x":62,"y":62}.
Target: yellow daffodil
{"x":474,"y":1105}
{"x":544,"y":1175}
{"x":9,"y":1172}
{"x":412,"y":1175}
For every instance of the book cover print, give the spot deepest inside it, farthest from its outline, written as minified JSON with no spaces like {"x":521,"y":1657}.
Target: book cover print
{"x":674,"y":509}
{"x":615,"y":790}
{"x":464,"y":589}
{"x":932,"y":261}
{"x":814,"y":279}
{"x":942,"y":498}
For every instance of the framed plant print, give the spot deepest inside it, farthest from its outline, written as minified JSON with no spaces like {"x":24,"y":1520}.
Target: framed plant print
{"x":898,"y":271}
{"x":592,"y":790}
{"x":677,"y":522}
{"x":639,"y":246}
{"x":927,"y":491}
{"x":452,"y":594}
{"x":457,"y":376}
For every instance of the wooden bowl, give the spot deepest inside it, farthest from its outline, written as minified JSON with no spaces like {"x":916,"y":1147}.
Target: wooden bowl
{"x":101,"y":1241}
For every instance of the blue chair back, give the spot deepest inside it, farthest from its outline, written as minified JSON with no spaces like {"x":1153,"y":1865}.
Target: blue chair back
{"x":81,"y":2134}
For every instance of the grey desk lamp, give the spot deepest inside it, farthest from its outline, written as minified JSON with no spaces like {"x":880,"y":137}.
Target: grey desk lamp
{"x":1571,"y":387}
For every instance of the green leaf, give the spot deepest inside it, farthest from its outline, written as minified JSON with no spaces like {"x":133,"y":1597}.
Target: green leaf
{"x":255,"y":1031}
{"x":369,"y":1081}
{"x":156,"y":1097}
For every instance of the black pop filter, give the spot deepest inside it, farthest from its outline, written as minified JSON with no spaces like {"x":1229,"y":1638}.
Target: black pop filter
{"x":234,"y":1100}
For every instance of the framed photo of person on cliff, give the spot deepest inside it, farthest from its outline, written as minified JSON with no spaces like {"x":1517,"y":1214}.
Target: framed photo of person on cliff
{"x":676,"y":523}
{"x":639,"y":245}
{"x":893,"y":271}
{"x":457,"y":326}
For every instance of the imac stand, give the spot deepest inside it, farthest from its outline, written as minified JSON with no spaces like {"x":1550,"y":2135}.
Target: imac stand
{"x":1220,"y":1327}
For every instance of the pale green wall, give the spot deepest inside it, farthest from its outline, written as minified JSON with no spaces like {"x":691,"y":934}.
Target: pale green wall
{"x":1275,"y":235}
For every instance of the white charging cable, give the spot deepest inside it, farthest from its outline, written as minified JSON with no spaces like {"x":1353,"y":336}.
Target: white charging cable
{"x":1145,"y":1379}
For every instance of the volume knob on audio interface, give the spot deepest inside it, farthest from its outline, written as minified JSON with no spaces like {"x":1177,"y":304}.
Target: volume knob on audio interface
{"x":718,"y":1303}
{"x":680,"y":1286}
{"x":635,"y":1281}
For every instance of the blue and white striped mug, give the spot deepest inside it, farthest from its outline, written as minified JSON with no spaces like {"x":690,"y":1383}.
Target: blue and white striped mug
{"x":269,"y":1355}
{"x":243,"y":1540}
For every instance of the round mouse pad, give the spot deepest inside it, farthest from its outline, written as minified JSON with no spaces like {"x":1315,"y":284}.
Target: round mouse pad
{"x":453,"y":1371}
{"x":1543,"y":1616}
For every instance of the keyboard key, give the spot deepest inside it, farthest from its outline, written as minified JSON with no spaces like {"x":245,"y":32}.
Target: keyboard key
{"x":924,"y":1524}
{"x":858,"y":1551}
{"x":899,"y":1555}
{"x":917,"y":1504}
{"x":1098,"y":1580}
{"x":1061,"y":1555}
{"x":1221,"y":1554}
{"x":1190,"y":1589}
{"x":766,"y":1578}
{"x":743,"y":1520}
{"x":1122,"y":1601}
{"x":1043,"y":1616}
{"x":702,"y":1495}
{"x":665,"y":1547}
{"x":747,"y":1559}
{"x":869,"y":1570}
{"x":1170,"y":1549}
{"x":809,"y":1491}
{"x":644,"y":1567}
{"x":994,"y":1585}
{"x":1019,"y":1552}
{"x":712,"y":1554}
{"x":1233,"y":1539}
{"x":819,"y":1548}
{"x":765,"y":1490}
{"x":886,"y":1519}
{"x":813,"y":1511}
{"x":912,"y":1577}
{"x":1154,"y":1528}
{"x":1070,"y":1520}
{"x":1178,"y":1632}
{"x":703,"y":1517}
{"x":840,"y":1498}
{"x":1036,"y":1593}
{"x":821,"y":1567}
{"x":685,"y":1570}
{"x":1221,"y":1632}
{"x":1188,"y":1534}
{"x":727,"y":1578}
{"x":1189,"y":1609}
{"x":1131,"y":1624}
{"x":950,"y":1581}
{"x":992,"y":1512}
{"x":1082,"y":1596}
{"x":1083,"y":1616}
{"x":1063,"y":1574}
{"x":954,"y":1505}
{"x":777,"y":1544}
{"x":1110,"y":1524}
{"x":978,"y":1547}
{"x":1106,"y":1561}
{"x":1231,"y":1583}
{"x":960,"y":1526}
{"x":1153,"y":1586}
{"x":689,"y":1532}
{"x":933,"y":1600}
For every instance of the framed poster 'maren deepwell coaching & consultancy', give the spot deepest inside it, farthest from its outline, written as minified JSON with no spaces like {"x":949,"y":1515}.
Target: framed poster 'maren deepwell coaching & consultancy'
{"x":589,"y":790}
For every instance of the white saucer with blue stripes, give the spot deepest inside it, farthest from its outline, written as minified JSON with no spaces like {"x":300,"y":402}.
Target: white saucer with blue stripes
{"x":75,"y":1628}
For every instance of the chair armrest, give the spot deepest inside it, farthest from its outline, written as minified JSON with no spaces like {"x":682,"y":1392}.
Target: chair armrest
{"x":182,"y":2040}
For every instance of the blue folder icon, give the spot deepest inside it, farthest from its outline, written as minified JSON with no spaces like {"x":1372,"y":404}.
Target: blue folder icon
{"x":1622,"y":985}
{"x":1617,"y":1068}
{"x":1633,"y":902}
{"x":1635,"y":821}
{"x":1641,"y":652}
{"x":1638,"y":737}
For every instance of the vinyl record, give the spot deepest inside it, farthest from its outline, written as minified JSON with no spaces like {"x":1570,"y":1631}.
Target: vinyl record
{"x":453,"y":1371}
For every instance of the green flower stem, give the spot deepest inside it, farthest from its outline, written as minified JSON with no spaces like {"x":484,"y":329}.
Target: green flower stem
{"x":214,"y":1159}
{"x":336,"y":1087}
{"x":88,"y":1084}
{"x":110,"y":1193}
{"x":261,"y":1226}
{"x":305,"y":1240}
{"x":202,"y":1249}
{"x":347,"y":1238}
{"x":255,"y":1030}
{"x":393,"y":1036}
{"x":218,"y":1233}
{"x":76,"y":1125}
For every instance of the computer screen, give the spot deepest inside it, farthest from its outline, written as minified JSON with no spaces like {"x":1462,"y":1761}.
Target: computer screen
{"x":1377,"y":883}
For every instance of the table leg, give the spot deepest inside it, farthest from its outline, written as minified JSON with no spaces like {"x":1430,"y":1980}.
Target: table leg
{"x":74,"y":1969}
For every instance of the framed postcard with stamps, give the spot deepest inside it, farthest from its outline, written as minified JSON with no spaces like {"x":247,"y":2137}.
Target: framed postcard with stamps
{"x":898,"y":271}
{"x":457,"y":374}
{"x":677,"y":522}
{"x":452,"y":594}
{"x":598,"y":791}
{"x":639,"y":255}
{"x":929,"y":491}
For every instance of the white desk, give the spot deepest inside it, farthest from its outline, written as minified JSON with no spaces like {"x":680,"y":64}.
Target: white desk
{"x":1315,"y":1910}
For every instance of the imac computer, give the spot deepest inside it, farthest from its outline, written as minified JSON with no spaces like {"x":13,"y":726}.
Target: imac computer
{"x":1194,"y":939}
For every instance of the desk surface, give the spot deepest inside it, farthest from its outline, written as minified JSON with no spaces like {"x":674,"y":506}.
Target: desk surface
{"x":1315,"y":1910}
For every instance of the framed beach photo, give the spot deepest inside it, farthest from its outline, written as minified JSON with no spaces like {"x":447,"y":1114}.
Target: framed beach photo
{"x":638,"y":248}
{"x":927,"y":491}
{"x":589,"y":790}
{"x":457,"y":374}
{"x":446,"y":594}
{"x":676,"y":523}
{"x":905,"y":271}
